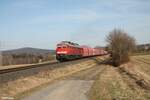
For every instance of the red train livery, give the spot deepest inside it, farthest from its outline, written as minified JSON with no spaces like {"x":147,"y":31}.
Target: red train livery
{"x":68,"y":50}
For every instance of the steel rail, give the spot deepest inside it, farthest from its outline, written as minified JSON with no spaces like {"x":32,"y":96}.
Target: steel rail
{"x":2,"y":71}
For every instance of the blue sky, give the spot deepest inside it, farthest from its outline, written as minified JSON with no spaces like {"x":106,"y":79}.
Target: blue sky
{"x":44,"y":23}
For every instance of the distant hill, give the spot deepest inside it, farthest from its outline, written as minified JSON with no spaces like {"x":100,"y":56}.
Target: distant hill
{"x":29,"y":50}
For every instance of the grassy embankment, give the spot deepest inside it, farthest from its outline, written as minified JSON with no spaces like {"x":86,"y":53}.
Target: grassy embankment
{"x":115,"y":85}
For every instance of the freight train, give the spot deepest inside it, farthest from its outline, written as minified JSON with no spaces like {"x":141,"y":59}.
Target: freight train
{"x":67,"y":50}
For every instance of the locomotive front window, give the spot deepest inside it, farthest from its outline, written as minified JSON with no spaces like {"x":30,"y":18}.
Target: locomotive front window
{"x":59,"y":47}
{"x":64,"y":46}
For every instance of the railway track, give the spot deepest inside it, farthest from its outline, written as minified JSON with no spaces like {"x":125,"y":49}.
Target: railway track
{"x":8,"y":70}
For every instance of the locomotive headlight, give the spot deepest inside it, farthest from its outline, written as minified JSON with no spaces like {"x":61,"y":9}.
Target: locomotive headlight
{"x":62,"y":52}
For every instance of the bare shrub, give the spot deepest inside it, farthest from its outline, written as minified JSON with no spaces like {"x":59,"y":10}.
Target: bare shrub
{"x":1,"y":63}
{"x":121,"y":45}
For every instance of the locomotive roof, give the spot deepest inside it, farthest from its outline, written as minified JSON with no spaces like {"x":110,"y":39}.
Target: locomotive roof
{"x":69,"y":43}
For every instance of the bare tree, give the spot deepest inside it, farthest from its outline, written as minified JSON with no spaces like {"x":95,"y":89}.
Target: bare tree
{"x":121,"y":45}
{"x":1,"y":59}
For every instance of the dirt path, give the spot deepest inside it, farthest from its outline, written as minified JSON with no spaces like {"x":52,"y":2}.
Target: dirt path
{"x":74,"y":87}
{"x":63,"y":90}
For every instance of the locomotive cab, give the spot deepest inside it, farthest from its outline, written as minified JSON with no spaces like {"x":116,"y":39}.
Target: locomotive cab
{"x":61,"y":51}
{"x":67,"y":51}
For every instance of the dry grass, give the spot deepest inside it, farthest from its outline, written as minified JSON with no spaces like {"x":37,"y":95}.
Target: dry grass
{"x":110,"y":85}
{"x":128,"y":82}
{"x":142,"y":62}
{"x":24,"y":84}
{"x":141,"y":78}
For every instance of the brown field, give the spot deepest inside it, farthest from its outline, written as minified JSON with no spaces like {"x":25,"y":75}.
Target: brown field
{"x":143,"y":63}
{"x":130,"y":84}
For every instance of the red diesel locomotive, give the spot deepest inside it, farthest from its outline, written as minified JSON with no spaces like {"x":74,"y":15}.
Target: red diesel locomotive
{"x":68,"y":50}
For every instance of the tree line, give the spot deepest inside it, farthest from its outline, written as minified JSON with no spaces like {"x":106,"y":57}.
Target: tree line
{"x":24,"y":58}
